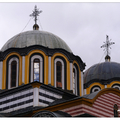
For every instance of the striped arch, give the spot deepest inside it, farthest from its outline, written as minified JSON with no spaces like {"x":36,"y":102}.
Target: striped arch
{"x":41,"y":59}
{"x":9,"y":70}
{"x":95,"y":88}
{"x":116,"y":86}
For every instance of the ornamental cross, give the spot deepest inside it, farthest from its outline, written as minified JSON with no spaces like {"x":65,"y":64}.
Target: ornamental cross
{"x":107,"y":45}
{"x":35,"y":13}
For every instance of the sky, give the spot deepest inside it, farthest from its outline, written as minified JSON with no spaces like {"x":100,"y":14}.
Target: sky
{"x":82,"y":25}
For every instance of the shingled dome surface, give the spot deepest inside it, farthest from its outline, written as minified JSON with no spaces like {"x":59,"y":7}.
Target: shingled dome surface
{"x":36,"y":37}
{"x":102,"y":71}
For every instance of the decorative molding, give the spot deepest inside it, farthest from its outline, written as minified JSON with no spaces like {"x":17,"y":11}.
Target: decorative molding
{"x":95,"y":87}
{"x":50,"y":52}
{"x":103,"y":82}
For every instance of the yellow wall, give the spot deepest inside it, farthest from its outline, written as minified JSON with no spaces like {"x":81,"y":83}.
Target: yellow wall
{"x":46,"y":62}
{"x":93,"y":84}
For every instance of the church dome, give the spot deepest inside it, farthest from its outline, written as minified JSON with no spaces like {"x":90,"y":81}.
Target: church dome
{"x":36,"y":37}
{"x":102,"y":72}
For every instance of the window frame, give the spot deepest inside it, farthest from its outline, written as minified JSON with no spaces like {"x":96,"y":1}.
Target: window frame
{"x":9,"y":71}
{"x":55,"y":72}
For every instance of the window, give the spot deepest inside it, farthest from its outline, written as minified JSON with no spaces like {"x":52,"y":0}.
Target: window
{"x":36,"y":70}
{"x":13,"y":73}
{"x":59,"y":74}
{"x":116,"y":86}
{"x":115,"y":110}
{"x":95,"y":89}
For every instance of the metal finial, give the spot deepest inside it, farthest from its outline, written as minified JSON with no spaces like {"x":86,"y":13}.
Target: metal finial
{"x":35,"y":13}
{"x":107,"y":45}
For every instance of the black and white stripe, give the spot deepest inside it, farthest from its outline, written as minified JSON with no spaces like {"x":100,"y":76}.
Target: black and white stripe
{"x":46,"y":97}
{"x":26,"y":98}
{"x":16,"y":101}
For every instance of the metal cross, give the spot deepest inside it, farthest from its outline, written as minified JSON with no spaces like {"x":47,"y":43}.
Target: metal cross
{"x":107,"y":45}
{"x":35,"y":13}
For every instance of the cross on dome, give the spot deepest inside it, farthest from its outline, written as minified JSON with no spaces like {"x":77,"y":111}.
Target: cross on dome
{"x":106,"y":47}
{"x":35,"y":13}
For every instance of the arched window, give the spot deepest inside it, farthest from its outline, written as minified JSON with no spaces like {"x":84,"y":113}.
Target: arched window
{"x":13,"y":69}
{"x":115,"y":110}
{"x":116,"y":86}
{"x":13,"y":73}
{"x":59,"y":74}
{"x":95,"y":89}
{"x":36,"y":70}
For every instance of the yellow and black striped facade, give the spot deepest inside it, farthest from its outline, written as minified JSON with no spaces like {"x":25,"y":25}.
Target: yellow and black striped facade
{"x":88,"y":90}
{"x":48,"y":56}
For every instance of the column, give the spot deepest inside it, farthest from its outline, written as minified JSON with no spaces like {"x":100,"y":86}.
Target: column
{"x":71,"y":77}
{"x":1,"y":67}
{"x":35,"y":96}
{"x":84,"y":91}
{"x":23,"y":69}
{"x":105,"y":86}
{"x":49,"y":70}
{"x":82,"y":83}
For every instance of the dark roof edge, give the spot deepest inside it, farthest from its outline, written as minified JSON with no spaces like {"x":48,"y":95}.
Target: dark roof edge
{"x":102,"y":81}
{"x":48,"y":51}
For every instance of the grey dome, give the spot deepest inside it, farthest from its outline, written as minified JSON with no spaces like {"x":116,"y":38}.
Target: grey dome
{"x":36,"y":37}
{"x":102,"y":71}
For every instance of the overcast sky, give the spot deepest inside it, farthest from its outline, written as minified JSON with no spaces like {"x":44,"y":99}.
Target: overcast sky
{"x":83,"y":26}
